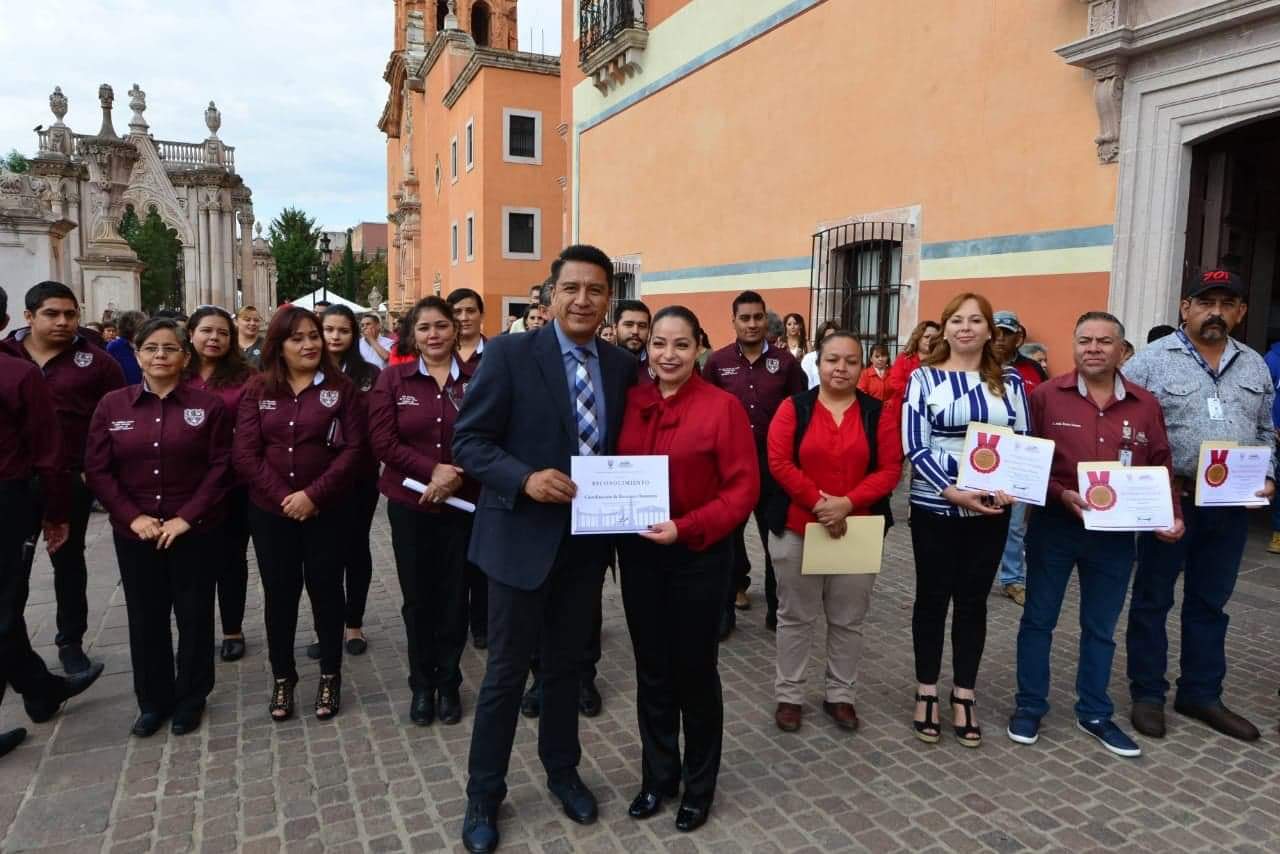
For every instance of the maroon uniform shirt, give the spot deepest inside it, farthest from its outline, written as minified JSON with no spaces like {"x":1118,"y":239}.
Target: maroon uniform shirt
{"x":310,"y":442}
{"x":761,"y":385}
{"x":163,"y":457}
{"x":411,"y":422}
{"x":1083,"y":432}
{"x":27,"y":444}
{"x":229,"y":394}
{"x":78,"y":378}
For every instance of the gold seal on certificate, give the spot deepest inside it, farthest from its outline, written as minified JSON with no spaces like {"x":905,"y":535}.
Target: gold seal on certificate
{"x":1100,"y":495}
{"x":985,"y":458}
{"x":1215,"y":474}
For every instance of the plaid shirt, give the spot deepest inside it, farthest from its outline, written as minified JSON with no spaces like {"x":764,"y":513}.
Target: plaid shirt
{"x":1183,"y":388}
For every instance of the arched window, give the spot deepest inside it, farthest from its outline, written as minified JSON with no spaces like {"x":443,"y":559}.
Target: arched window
{"x":480,"y":23}
{"x":442,"y":11}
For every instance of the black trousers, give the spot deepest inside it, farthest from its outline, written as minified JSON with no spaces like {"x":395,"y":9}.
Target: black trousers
{"x":178,"y":582}
{"x":673,"y":599}
{"x":555,"y":620}
{"x":19,"y":664}
{"x":70,"y":575}
{"x":292,"y":555}
{"x":431,"y":561}
{"x":740,"y":561}
{"x":232,"y":573}
{"x":356,"y":557}
{"x":477,"y":608}
{"x":956,"y":561}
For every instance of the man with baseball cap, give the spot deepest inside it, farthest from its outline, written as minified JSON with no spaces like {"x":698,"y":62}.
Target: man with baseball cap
{"x":1010,"y":336}
{"x":1210,"y":388}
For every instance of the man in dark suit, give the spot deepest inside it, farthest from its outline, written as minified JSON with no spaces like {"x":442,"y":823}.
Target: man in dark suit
{"x":538,"y":399}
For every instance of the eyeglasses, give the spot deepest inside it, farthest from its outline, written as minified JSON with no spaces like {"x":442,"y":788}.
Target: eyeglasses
{"x":153,"y":349}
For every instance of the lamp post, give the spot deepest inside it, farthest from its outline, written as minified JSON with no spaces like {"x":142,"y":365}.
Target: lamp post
{"x":324,"y":265}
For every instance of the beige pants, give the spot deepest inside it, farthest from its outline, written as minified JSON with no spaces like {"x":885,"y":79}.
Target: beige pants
{"x":842,"y":599}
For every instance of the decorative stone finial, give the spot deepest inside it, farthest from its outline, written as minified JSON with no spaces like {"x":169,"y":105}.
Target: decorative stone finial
{"x":106,"y":98}
{"x":257,"y":230}
{"x":137,"y":103}
{"x":212,"y":119}
{"x":451,"y":19}
{"x":58,"y":104}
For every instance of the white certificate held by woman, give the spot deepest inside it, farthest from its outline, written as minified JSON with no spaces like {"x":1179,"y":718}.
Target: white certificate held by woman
{"x":996,"y":459}
{"x":1120,"y":498}
{"x":619,"y":495}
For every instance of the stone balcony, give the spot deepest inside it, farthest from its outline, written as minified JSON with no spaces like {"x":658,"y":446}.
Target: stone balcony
{"x":612,"y":39}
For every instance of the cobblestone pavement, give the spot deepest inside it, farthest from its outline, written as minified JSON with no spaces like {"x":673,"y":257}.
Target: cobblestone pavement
{"x":370,"y":781}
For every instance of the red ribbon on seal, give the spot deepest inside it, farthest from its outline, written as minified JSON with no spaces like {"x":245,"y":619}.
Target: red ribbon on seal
{"x":1215,"y":474}
{"x":1100,"y":495}
{"x":985,"y":458}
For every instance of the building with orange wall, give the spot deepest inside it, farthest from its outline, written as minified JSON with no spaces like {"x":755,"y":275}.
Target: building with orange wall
{"x":868,"y":160}
{"x":474,"y":162}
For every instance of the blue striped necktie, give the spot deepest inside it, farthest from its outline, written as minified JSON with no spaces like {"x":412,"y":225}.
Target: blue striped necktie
{"x":584,"y":406}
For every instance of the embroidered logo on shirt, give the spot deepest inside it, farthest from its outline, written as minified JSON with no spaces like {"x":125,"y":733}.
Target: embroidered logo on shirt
{"x":329,"y":398}
{"x":1066,"y":424}
{"x":772,"y":365}
{"x":729,"y":372}
{"x":194,"y":417}
{"x":82,"y":359}
{"x":407,"y":400}
{"x":117,"y":426}
{"x":266,"y":406}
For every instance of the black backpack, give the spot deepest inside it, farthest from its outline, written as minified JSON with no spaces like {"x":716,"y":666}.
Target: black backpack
{"x":804,"y":402}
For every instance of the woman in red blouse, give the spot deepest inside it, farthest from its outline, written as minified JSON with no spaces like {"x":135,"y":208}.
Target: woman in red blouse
{"x":675,"y":576}
{"x":847,"y":462}
{"x":874,"y":379}
{"x":298,"y":445}
{"x":218,"y":366}
{"x":411,"y":414}
{"x":918,"y":346}
{"x":158,"y":458}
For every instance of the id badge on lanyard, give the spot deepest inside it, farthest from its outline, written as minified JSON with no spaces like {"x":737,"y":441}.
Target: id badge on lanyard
{"x":1216,"y":412}
{"x":1126,"y":445}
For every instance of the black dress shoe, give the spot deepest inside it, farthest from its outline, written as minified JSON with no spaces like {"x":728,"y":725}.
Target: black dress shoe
{"x":531,"y":702}
{"x":233,"y":649}
{"x":449,"y":706}
{"x":727,"y":622}
{"x":589,"y":702}
{"x":187,"y":721}
{"x":1222,"y":719}
{"x":357,"y":646}
{"x":148,"y":724}
{"x":44,"y":708}
{"x":73,"y":659}
{"x":11,"y":739}
{"x":422,"y":708}
{"x":313,"y":651}
{"x":480,"y":640}
{"x":480,"y":827}
{"x":689,"y":818}
{"x":1148,"y":719}
{"x":645,"y":805}
{"x":578,"y":802}
{"x":771,"y":622}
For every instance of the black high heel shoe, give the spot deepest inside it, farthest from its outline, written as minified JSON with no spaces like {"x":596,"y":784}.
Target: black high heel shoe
{"x":282,"y":700}
{"x":927,"y":730}
{"x":970,"y":734}
{"x":328,"y":696}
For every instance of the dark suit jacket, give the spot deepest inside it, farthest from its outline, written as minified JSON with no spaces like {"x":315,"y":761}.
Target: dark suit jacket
{"x":517,"y":418}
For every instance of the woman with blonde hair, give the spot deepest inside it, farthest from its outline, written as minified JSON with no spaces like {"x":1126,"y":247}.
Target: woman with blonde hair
{"x":957,"y":536}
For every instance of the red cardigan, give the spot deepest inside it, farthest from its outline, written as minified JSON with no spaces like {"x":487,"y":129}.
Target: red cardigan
{"x":834,"y":459}
{"x":715,"y":479}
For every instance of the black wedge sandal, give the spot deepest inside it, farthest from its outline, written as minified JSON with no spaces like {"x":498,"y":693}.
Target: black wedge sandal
{"x":970,"y":734}
{"x":926,"y":730}
{"x":282,"y":700}
{"x":328,"y":697}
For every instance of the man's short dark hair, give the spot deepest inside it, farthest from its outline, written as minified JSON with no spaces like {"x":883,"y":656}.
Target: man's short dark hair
{"x":587,"y":254}
{"x":747,"y":298}
{"x":630,"y":305}
{"x":1101,"y":315}
{"x":465,"y":293}
{"x":46,"y":291}
{"x":1160,"y":331}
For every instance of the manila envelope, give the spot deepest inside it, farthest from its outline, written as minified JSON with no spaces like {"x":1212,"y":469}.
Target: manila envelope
{"x":858,"y":552}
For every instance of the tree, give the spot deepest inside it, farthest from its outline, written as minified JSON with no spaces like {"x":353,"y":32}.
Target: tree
{"x":157,"y":246}
{"x":293,"y":237}
{"x":15,"y":161}
{"x":349,"y":272}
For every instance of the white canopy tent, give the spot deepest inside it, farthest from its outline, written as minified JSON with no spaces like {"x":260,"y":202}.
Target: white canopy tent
{"x":309,"y":301}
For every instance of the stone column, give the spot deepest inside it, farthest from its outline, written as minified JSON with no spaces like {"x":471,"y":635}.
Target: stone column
{"x":246,"y":258}
{"x":205,"y":279}
{"x":191,"y":277}
{"x":229,"y":259}
{"x":215,"y":251}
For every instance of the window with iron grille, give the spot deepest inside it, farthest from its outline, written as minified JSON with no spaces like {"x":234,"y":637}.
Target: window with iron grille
{"x":521,"y":136}
{"x":856,"y":279}
{"x":626,"y":282}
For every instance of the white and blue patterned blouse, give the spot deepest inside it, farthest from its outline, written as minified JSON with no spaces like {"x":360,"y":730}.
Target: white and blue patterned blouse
{"x":935,"y":417}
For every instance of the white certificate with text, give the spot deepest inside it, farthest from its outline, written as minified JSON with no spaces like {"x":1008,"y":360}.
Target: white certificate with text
{"x":998,"y":459}
{"x":1231,"y":475}
{"x":1119,"y":498}
{"x":619,"y":495}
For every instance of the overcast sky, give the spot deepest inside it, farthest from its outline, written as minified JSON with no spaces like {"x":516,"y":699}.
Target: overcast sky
{"x":299,"y":84}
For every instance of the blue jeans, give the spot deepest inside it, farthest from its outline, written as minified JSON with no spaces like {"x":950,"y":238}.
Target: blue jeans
{"x":1209,"y":553}
{"x":1056,"y":544}
{"x":1013,"y":565}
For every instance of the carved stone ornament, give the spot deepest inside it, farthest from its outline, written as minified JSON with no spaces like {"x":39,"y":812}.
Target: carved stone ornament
{"x":1104,"y":15}
{"x":212,"y":119}
{"x":1108,"y":95}
{"x":451,"y":19}
{"x":106,"y":98}
{"x":58,"y":105}
{"x":137,"y":103}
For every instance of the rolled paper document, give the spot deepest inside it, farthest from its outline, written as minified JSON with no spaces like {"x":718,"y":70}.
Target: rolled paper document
{"x":420,"y":487}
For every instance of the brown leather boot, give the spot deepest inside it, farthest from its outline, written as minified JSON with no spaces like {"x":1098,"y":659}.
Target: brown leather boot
{"x":1148,"y":719}
{"x":787,"y":717}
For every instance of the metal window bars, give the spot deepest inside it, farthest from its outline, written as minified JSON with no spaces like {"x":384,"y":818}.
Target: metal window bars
{"x":600,"y":21}
{"x":855,"y":279}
